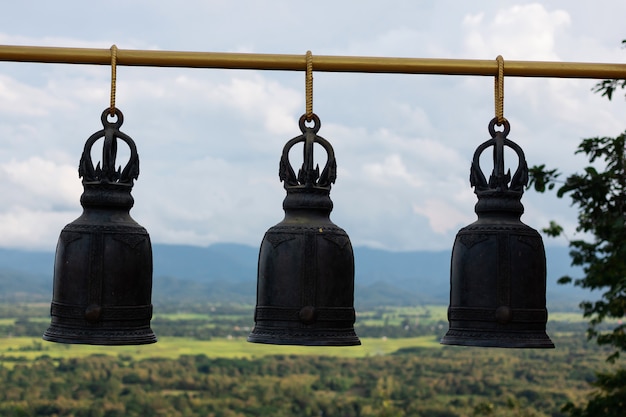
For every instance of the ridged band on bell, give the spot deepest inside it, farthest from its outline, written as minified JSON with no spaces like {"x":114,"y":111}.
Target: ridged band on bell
{"x":498,"y":265}
{"x":305,"y":286}
{"x":103,"y":264}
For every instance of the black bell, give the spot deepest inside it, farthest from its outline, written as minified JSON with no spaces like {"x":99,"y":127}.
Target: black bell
{"x":103,"y":264}
{"x":305,"y":287}
{"x":498,"y":267}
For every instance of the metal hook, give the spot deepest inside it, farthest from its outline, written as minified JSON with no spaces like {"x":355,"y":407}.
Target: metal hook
{"x":309,"y":86}
{"x":499,"y":91}
{"x":113,"y":78}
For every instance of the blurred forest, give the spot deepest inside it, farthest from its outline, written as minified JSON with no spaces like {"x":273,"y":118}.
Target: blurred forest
{"x":443,"y":382}
{"x":433,"y":381}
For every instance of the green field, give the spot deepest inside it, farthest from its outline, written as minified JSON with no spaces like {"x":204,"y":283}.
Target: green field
{"x":203,"y":365}
{"x":173,"y":347}
{"x":434,"y":314}
{"x":568,"y":317}
{"x":220,"y":332}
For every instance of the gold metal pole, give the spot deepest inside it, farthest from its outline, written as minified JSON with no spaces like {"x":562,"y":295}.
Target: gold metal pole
{"x":326,"y":63}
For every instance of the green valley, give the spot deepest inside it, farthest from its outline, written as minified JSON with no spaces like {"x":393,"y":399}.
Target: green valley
{"x":202,"y":366}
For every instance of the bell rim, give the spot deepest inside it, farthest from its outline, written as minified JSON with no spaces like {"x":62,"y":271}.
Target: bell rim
{"x":535,"y":340}
{"x":327,"y":337}
{"x":354,"y":341}
{"x":100,"y":338}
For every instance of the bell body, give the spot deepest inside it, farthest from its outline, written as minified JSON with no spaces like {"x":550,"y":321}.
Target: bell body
{"x":103,"y":275}
{"x":305,"y":282}
{"x":498,"y":285}
{"x":498,"y":265}
{"x":103,"y":265}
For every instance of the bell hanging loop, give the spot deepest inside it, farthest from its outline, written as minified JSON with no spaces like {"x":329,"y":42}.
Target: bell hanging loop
{"x":498,"y":264}
{"x":103,"y":263}
{"x":305,"y":283}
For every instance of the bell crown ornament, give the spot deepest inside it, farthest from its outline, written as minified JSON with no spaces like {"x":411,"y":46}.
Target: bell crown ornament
{"x":305,"y":283}
{"x":309,"y":189}
{"x":501,"y":192}
{"x":105,"y":185}
{"x":103,"y":263}
{"x":107,"y":173}
{"x":498,"y":265}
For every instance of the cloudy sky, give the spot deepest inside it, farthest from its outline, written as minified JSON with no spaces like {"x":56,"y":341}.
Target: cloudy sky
{"x":210,"y":140}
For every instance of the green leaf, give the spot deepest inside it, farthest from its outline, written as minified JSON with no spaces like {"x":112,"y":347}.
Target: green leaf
{"x":564,"y":280}
{"x":554,"y":230}
{"x":540,"y":178}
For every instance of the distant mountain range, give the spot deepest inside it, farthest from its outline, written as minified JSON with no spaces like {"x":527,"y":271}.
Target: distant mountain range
{"x":227,"y":273}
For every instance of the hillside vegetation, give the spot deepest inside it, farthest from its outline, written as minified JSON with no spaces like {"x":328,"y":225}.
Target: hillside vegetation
{"x":202,"y":366}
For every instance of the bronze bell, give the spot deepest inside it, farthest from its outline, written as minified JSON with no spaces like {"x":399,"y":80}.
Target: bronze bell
{"x":305,"y":287}
{"x":103,"y":264}
{"x":498,"y":266}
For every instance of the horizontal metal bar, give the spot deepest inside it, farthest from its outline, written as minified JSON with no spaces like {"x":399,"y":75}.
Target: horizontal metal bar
{"x":326,"y":63}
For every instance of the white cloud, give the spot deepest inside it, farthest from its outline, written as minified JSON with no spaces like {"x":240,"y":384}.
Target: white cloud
{"x":20,"y":100}
{"x":25,"y":227}
{"x":42,"y":183}
{"x":210,"y":140}
{"x":391,"y":170}
{"x":265,"y":102}
{"x":442,"y":216}
{"x":526,"y":32}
